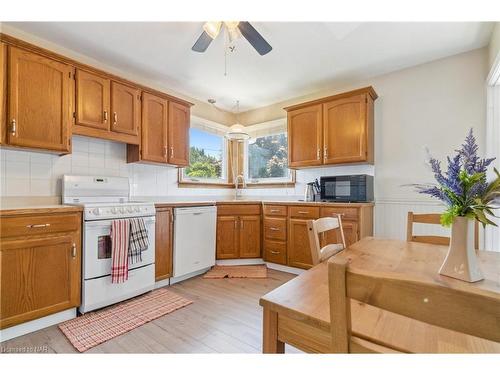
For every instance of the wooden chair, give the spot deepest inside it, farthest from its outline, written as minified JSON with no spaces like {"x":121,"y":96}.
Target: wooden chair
{"x":317,"y":228}
{"x":432,"y":219}
{"x":437,"y":305}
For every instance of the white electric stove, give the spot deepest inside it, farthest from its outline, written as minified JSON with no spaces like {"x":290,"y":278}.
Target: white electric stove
{"x":105,"y":199}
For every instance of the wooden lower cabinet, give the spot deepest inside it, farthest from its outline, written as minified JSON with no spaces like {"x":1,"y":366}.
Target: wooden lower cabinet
{"x":286,"y":240}
{"x":40,"y":273}
{"x":238,"y":231}
{"x":163,"y":243}
{"x":298,"y":250}
{"x":227,"y":237}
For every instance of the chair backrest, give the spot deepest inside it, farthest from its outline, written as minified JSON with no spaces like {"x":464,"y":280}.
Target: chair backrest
{"x":432,"y":219}
{"x":441,"y":306}
{"x":425,"y":219}
{"x":317,"y":228}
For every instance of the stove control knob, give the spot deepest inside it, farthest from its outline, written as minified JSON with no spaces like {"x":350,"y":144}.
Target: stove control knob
{"x":137,"y":209}
{"x":122,"y":210}
{"x":130,"y":209}
{"x":96,"y":211}
{"x":113,"y":210}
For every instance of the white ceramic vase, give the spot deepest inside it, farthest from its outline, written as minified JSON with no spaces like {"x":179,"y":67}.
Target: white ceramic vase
{"x":461,"y":261}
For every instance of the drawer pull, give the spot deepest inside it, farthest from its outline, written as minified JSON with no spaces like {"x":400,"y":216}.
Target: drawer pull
{"x":274,"y":211}
{"x":274,"y":229}
{"x":37,"y":225}
{"x":73,"y":250}
{"x":274,"y":252}
{"x":303,"y":212}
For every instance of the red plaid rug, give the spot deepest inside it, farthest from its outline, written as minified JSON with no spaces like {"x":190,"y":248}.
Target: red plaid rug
{"x":96,"y":327}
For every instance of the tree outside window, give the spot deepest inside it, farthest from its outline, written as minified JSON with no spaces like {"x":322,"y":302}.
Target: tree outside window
{"x":206,"y":157}
{"x":267,"y":158}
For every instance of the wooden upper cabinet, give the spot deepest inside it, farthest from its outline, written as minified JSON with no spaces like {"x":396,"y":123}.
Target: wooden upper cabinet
{"x":125,"y":109}
{"x":305,"y":136}
{"x":333,"y":130}
{"x":92,"y":100}
{"x":178,"y":134}
{"x":249,"y":236}
{"x":345,"y":130}
{"x":3,"y":92}
{"x":154,"y":128}
{"x":40,"y":104}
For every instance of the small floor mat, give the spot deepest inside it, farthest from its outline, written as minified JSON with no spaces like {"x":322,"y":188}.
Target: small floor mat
{"x":223,"y":272}
{"x":94,"y":328}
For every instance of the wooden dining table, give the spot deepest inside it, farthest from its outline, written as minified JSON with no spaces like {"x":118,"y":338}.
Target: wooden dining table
{"x":298,"y":312}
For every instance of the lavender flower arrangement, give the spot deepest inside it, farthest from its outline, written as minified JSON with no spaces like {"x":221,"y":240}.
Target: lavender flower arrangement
{"x":463,"y":187}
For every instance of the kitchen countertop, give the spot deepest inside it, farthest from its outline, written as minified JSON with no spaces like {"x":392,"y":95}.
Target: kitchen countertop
{"x":34,"y":205}
{"x":183,"y":201}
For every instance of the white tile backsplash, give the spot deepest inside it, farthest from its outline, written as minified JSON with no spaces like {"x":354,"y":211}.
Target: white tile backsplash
{"x":26,"y":173}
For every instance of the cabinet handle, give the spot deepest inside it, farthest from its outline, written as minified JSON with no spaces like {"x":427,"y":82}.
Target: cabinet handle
{"x":171,"y":151}
{"x":115,"y":118}
{"x":303,"y":212}
{"x":73,"y":250}
{"x":13,"y":126}
{"x":318,"y":154}
{"x":274,"y":229}
{"x":165,"y":152}
{"x":274,"y":252}
{"x":241,"y":224}
{"x":105,"y":116}
{"x":37,"y":225}
{"x":325,"y":153}
{"x":235,"y":223}
{"x":274,"y":211}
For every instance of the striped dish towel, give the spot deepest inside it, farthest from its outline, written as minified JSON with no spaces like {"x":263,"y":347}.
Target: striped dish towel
{"x":120,"y":230}
{"x":139,"y":240}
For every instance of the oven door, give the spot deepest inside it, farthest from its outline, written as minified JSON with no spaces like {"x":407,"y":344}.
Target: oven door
{"x":97,"y":248}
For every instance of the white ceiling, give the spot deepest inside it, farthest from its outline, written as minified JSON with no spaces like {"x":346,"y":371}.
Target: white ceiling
{"x":306,"y":57}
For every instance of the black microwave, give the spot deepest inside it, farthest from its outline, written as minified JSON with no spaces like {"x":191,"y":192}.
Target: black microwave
{"x":353,"y":188}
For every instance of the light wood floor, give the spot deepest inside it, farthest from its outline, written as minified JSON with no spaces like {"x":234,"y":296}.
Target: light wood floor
{"x":224,"y":318}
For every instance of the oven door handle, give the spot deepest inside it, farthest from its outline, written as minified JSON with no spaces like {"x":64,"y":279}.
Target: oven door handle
{"x":107,"y":223}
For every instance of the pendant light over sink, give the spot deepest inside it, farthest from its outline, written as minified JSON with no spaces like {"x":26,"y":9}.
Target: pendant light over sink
{"x":237,"y":131}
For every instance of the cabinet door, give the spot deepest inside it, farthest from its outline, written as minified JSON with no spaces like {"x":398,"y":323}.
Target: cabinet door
{"x":345,"y":130}
{"x":249,"y":236}
{"x":154,"y":128}
{"x":163,"y":243}
{"x":178,"y":134}
{"x":39,"y":101}
{"x":305,"y":134}
{"x":92,"y":100}
{"x":38,"y":277}
{"x":3,"y":92}
{"x":125,"y":108}
{"x":299,"y":251}
{"x":350,"y":234}
{"x":227,"y":237}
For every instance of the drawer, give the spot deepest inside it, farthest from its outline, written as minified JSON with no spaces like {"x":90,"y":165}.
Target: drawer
{"x":307,"y":212}
{"x":345,"y":212}
{"x":39,"y":225}
{"x":274,"y":210}
{"x":275,"y":228}
{"x":238,"y":209}
{"x":275,"y":252}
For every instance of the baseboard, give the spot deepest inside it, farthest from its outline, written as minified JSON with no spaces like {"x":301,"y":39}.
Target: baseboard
{"x":162,"y":283}
{"x":282,"y":268}
{"x":36,"y":325}
{"x":239,"y":262}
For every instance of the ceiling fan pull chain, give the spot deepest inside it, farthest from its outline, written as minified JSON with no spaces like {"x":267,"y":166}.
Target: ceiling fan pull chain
{"x":225,"y":53}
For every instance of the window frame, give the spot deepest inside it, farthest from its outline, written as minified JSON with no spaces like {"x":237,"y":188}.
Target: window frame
{"x":205,"y":126}
{"x":267,"y":181}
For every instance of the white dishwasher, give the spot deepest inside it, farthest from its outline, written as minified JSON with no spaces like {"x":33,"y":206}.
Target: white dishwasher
{"x":194,"y":239}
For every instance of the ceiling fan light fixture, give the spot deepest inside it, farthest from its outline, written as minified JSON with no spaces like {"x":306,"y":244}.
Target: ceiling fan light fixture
{"x":212,"y":28}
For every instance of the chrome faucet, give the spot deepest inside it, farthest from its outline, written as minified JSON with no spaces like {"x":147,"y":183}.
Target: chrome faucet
{"x":236,"y":185}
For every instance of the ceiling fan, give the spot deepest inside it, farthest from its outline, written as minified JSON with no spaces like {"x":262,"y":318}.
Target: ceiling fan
{"x":234,"y":29}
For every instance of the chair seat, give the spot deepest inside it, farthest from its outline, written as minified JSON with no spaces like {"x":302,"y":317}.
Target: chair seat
{"x":329,"y":250}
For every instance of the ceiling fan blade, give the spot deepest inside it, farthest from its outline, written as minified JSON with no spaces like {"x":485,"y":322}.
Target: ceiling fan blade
{"x":254,"y":38}
{"x":202,"y":43}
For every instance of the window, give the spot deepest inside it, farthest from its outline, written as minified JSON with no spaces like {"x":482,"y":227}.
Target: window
{"x":267,"y":159}
{"x":207,"y":157}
